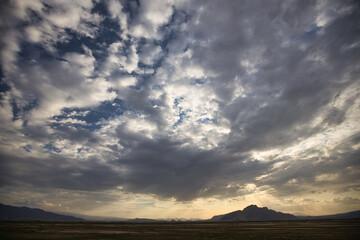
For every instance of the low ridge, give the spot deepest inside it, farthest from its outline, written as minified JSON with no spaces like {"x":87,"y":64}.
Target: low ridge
{"x":11,"y":213}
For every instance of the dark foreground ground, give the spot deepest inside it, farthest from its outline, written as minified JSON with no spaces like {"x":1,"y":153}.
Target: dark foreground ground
{"x":319,"y":229}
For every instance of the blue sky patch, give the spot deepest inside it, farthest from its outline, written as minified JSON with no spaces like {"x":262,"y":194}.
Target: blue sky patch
{"x":50,"y":148}
{"x":93,"y":116}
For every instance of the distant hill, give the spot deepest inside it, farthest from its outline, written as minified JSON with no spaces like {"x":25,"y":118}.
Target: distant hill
{"x":349,"y":215}
{"x":10,"y":213}
{"x":253,"y":213}
{"x":144,"y":220}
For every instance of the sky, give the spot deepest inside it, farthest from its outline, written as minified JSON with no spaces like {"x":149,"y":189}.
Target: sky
{"x":180,"y":109}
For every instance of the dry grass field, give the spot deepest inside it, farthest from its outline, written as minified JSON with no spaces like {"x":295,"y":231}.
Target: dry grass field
{"x":320,"y":229}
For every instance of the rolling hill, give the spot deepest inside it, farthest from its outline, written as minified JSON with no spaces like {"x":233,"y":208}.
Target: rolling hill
{"x":10,"y":213}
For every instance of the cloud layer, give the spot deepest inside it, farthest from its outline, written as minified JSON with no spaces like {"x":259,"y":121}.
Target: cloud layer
{"x":180,"y":102}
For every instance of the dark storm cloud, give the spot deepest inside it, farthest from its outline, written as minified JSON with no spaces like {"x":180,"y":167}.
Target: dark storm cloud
{"x":55,"y":171}
{"x":170,"y":169}
{"x":89,"y":101}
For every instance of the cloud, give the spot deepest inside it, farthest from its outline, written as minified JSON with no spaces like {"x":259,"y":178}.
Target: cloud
{"x":316,"y":169}
{"x":150,"y":53}
{"x":151,"y":16}
{"x":168,"y":169}
{"x":59,"y":172}
{"x":180,"y":101}
{"x":347,"y":201}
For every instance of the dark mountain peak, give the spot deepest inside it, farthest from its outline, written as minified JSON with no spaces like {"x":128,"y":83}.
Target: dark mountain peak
{"x":250,"y":207}
{"x":254,"y":213}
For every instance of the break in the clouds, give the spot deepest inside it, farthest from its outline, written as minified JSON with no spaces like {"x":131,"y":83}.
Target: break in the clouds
{"x":127,"y":108}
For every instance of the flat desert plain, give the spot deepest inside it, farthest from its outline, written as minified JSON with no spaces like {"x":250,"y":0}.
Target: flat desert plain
{"x":319,"y":229}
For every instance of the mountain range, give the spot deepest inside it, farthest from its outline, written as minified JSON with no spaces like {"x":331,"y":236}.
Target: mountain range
{"x":250,"y":213}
